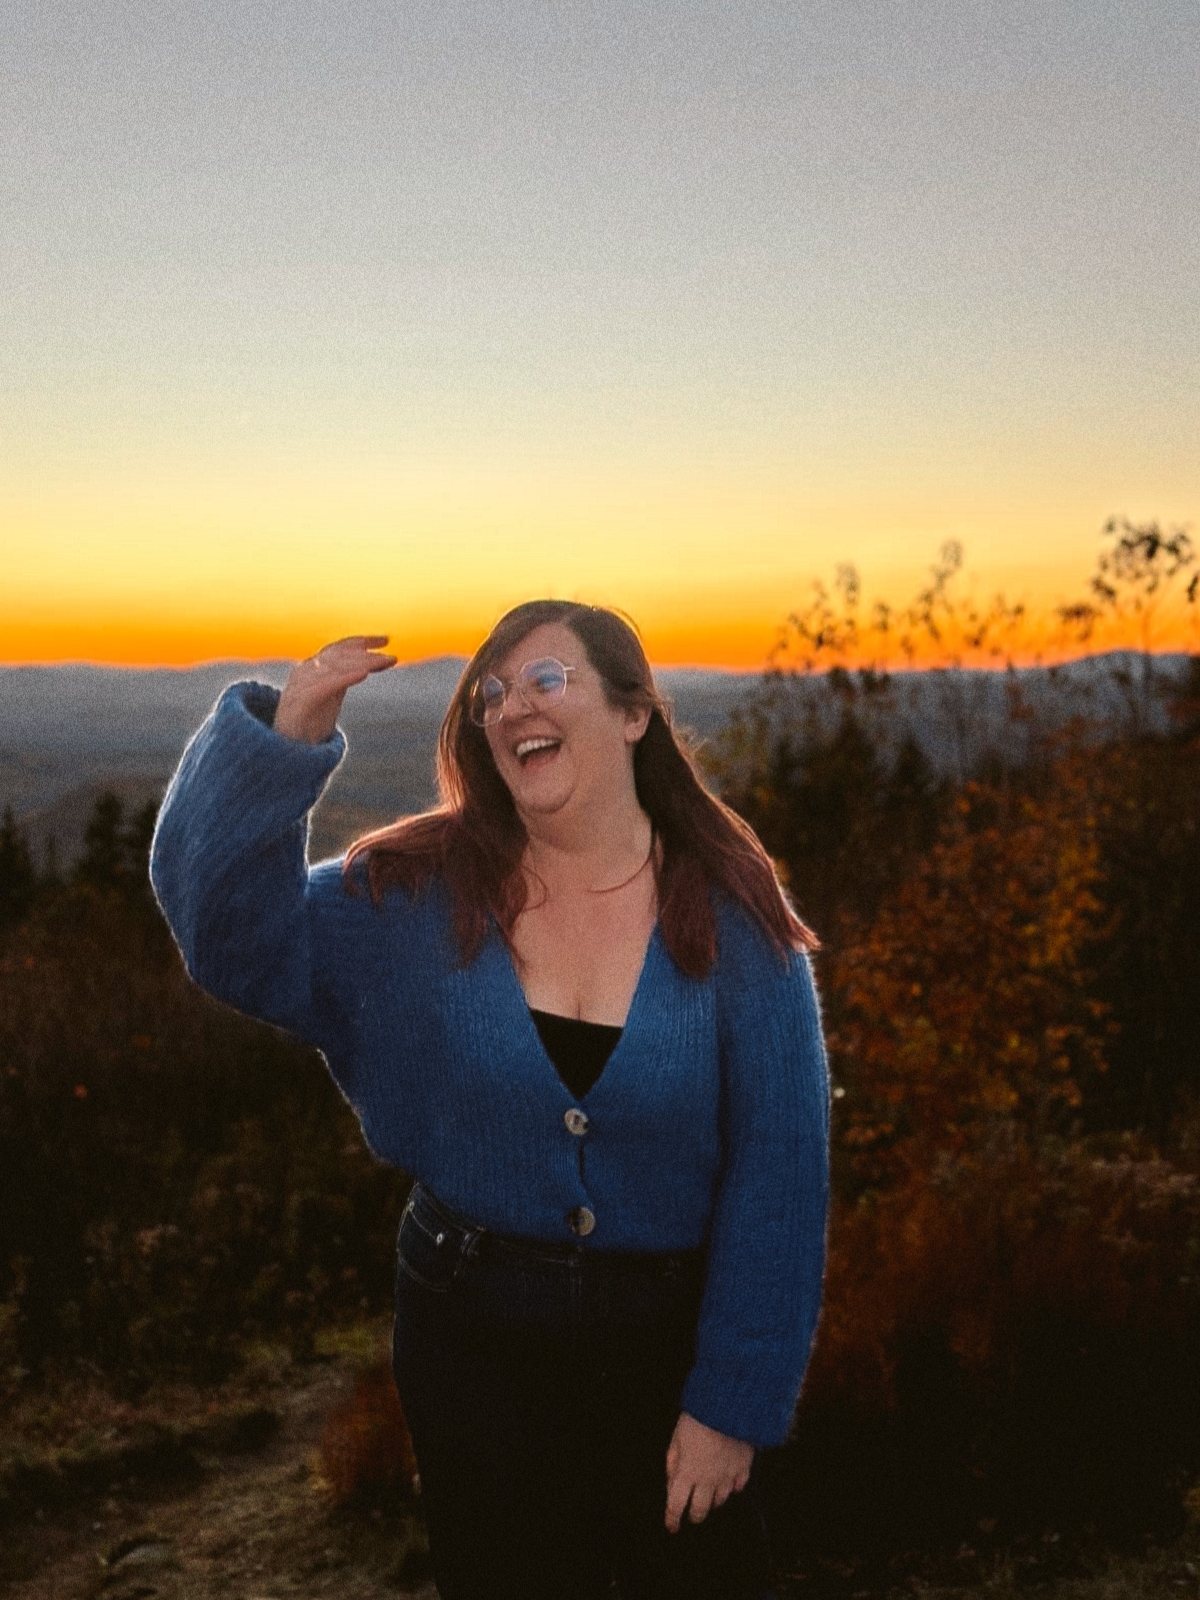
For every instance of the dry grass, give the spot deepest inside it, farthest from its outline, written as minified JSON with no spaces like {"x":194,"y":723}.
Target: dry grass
{"x":1173,"y":1571}
{"x":256,"y":1519}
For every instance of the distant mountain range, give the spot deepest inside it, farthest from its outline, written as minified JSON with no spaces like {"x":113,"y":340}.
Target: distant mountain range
{"x":69,"y":732}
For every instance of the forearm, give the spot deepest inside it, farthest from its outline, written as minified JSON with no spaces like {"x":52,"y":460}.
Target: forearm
{"x":228,"y":857}
{"x":766,"y":1250}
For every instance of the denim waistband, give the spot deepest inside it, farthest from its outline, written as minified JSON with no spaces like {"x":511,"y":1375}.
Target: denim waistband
{"x":473,"y":1241}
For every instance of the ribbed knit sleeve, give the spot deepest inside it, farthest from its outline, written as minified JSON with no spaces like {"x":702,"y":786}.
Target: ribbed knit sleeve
{"x":229,"y":866}
{"x":766,"y":1255}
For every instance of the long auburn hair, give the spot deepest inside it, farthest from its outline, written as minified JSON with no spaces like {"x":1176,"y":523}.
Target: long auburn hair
{"x":474,"y":839}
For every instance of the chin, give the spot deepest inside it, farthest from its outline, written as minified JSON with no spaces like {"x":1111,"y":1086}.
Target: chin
{"x":540,"y":805}
{"x":540,"y":799}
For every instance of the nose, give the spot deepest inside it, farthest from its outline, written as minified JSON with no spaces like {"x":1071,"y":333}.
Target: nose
{"x":515,"y":703}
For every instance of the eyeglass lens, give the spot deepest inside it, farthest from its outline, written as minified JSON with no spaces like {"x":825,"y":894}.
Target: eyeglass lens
{"x":539,"y":682}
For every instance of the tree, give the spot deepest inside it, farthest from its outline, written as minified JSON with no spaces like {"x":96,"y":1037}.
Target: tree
{"x":116,"y":855}
{"x":823,"y":761}
{"x":966,"y":1022}
{"x":103,"y":864}
{"x":1148,"y":967}
{"x":840,"y":815}
{"x":938,"y":621}
{"x":1136,"y":575}
{"x":18,"y":880}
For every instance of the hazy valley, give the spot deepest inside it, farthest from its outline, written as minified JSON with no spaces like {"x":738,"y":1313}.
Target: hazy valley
{"x":69,"y":732}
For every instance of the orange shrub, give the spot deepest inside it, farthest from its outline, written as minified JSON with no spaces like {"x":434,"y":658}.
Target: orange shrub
{"x":983,"y":1255}
{"x":366,"y":1447}
{"x":1011,"y":1324}
{"x":964,"y":1019}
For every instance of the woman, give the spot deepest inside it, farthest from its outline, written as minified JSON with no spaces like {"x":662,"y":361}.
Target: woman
{"x":573,"y":1002}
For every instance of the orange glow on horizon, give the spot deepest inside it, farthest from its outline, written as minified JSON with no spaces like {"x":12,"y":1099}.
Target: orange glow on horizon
{"x":171,"y":565}
{"x":737,"y":644}
{"x":709,"y":581}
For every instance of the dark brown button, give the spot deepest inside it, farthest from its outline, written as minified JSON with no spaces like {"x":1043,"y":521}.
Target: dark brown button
{"x":576,"y":1121}
{"x":581,"y":1221}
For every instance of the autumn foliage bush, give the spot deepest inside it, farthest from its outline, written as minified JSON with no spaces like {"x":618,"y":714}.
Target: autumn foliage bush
{"x":1011,"y":1331}
{"x":177,"y":1183}
{"x":366,"y":1448}
{"x":1014,"y":1342}
{"x":964,"y":1013}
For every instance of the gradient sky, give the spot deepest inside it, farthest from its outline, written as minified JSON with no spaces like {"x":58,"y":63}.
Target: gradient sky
{"x":320,"y":318}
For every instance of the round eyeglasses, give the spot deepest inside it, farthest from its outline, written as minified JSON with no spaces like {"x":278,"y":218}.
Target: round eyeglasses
{"x":539,"y":683}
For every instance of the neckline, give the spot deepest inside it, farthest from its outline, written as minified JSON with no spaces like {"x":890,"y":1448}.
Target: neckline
{"x":577,"y":1022}
{"x":632,"y":1016}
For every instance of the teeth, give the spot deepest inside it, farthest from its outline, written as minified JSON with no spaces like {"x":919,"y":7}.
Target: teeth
{"x":527,"y":746}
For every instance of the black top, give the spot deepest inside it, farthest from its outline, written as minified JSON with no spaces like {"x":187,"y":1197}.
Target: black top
{"x":579,"y":1050}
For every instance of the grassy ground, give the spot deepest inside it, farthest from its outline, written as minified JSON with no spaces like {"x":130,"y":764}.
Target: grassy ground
{"x":190,"y":1494}
{"x":1174,"y":1571}
{"x":1171,"y":1571}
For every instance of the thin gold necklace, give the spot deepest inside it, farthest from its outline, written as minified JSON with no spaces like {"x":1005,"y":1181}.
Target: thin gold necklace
{"x":611,"y":888}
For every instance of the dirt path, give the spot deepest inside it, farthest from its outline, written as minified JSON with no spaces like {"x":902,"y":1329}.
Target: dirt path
{"x":255,"y":1526}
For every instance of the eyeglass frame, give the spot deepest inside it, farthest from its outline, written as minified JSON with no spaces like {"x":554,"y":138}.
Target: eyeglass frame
{"x":476,"y":695}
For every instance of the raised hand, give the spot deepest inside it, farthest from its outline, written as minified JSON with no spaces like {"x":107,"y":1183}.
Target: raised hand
{"x":313,"y":694}
{"x":704,"y":1468}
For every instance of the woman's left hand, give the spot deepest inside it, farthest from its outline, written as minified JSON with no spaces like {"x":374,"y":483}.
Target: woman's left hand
{"x":704,"y":1467}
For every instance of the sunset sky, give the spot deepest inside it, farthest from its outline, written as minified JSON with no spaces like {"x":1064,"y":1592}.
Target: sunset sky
{"x":322,"y":318}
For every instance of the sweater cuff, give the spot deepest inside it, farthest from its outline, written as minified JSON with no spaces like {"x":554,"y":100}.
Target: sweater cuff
{"x":737,"y":1402}
{"x":246,"y":711}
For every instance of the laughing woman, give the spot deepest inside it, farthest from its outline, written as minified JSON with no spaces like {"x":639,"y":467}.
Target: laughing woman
{"x":574,"y":1004}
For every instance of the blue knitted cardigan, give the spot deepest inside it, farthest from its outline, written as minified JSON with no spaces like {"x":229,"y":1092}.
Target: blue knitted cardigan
{"x":708,"y":1126}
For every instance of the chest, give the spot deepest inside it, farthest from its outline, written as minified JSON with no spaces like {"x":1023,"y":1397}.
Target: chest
{"x":582,"y":957}
{"x":472,"y":1029}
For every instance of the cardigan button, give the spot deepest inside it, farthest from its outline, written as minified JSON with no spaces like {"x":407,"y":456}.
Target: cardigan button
{"x":581,"y":1221}
{"x":576,"y":1121}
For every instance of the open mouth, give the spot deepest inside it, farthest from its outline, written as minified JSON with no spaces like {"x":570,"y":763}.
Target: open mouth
{"x":536,"y":750}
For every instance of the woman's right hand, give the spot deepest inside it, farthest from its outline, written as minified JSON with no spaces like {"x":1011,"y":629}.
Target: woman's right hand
{"x":313,"y":694}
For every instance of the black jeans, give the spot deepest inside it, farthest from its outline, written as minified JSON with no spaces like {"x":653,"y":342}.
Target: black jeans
{"x":542,"y":1385}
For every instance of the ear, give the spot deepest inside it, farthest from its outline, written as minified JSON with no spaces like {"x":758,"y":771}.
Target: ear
{"x":636,"y":723}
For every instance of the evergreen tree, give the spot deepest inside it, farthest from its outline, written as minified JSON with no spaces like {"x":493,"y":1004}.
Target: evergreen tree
{"x":18,"y":881}
{"x":103,"y":864}
{"x":51,"y":875}
{"x":117,"y":853}
{"x":136,"y":840}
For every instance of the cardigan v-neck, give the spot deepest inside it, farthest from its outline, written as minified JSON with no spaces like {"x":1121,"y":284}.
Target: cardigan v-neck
{"x":578,"y":1049}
